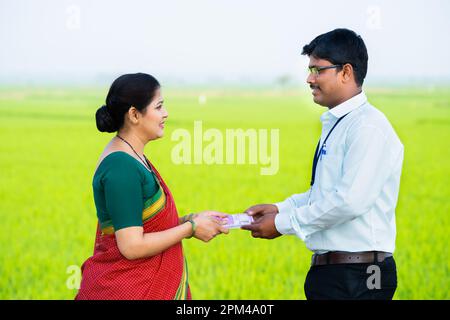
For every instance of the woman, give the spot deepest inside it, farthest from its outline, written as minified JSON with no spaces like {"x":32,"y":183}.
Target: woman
{"x":138,"y":252}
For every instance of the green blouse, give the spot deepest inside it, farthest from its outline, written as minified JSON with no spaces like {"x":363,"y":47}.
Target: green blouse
{"x":126,"y":193}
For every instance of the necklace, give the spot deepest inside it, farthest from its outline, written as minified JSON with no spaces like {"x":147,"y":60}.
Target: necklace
{"x":146,"y":160}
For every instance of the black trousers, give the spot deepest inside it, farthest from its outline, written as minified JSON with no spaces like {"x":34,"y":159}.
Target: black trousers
{"x":356,"y":281}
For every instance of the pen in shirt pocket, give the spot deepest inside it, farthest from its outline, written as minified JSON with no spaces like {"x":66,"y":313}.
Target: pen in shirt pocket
{"x":323,"y":151}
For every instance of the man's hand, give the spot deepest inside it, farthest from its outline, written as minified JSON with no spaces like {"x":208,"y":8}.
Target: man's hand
{"x":259,"y":210}
{"x":263,"y":227}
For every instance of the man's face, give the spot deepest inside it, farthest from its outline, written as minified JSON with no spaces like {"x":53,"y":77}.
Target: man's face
{"x":326,"y":87}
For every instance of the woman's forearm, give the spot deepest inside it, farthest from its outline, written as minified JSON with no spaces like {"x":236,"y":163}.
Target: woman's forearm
{"x":136,"y":246}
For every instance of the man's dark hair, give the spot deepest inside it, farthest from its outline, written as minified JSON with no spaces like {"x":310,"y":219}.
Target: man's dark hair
{"x":341,"y":46}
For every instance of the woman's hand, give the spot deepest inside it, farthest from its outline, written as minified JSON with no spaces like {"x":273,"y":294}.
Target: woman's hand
{"x":209,"y":224}
{"x":214,"y":214}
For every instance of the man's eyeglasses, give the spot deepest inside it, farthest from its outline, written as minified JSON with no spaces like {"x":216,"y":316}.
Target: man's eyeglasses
{"x":316,"y":70}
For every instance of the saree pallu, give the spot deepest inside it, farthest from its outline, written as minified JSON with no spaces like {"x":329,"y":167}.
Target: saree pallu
{"x":108,"y":275}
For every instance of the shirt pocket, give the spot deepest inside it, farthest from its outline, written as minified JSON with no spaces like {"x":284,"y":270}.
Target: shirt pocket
{"x":329,"y":172}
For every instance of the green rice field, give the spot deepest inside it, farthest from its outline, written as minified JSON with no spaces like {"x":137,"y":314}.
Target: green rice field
{"x":49,"y":147}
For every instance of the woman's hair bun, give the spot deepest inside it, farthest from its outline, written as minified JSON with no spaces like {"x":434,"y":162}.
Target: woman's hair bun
{"x":134,"y":89}
{"x":104,"y":120}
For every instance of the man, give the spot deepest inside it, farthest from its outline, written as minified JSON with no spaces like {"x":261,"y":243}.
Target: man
{"x":347,"y":217}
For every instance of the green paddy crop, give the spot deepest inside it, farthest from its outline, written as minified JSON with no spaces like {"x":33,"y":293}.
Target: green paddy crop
{"x":49,"y":147}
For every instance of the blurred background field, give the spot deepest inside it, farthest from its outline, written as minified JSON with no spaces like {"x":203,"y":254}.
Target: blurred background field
{"x":49,"y":147}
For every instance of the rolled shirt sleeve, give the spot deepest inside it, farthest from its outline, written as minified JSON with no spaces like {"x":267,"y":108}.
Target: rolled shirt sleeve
{"x":285,"y":207}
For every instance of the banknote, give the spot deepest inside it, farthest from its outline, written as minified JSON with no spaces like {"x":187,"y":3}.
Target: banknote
{"x":237,"y":220}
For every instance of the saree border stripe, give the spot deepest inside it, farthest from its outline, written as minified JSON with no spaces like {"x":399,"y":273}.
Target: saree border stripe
{"x":181,"y":293}
{"x":155,"y":208}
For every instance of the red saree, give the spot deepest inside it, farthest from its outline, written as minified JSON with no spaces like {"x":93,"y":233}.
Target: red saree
{"x":108,"y":275}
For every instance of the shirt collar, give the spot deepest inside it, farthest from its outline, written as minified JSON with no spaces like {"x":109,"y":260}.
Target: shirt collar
{"x":349,"y":105}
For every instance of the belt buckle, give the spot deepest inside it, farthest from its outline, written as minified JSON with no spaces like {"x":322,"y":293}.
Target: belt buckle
{"x":313,"y":260}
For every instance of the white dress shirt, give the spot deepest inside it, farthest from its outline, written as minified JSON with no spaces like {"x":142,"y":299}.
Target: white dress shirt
{"x":351,"y":206}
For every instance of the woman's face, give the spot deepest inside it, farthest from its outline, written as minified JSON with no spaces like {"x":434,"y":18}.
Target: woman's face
{"x":152,"y":121}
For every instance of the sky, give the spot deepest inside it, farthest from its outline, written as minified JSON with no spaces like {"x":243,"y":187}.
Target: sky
{"x":201,"y":41}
